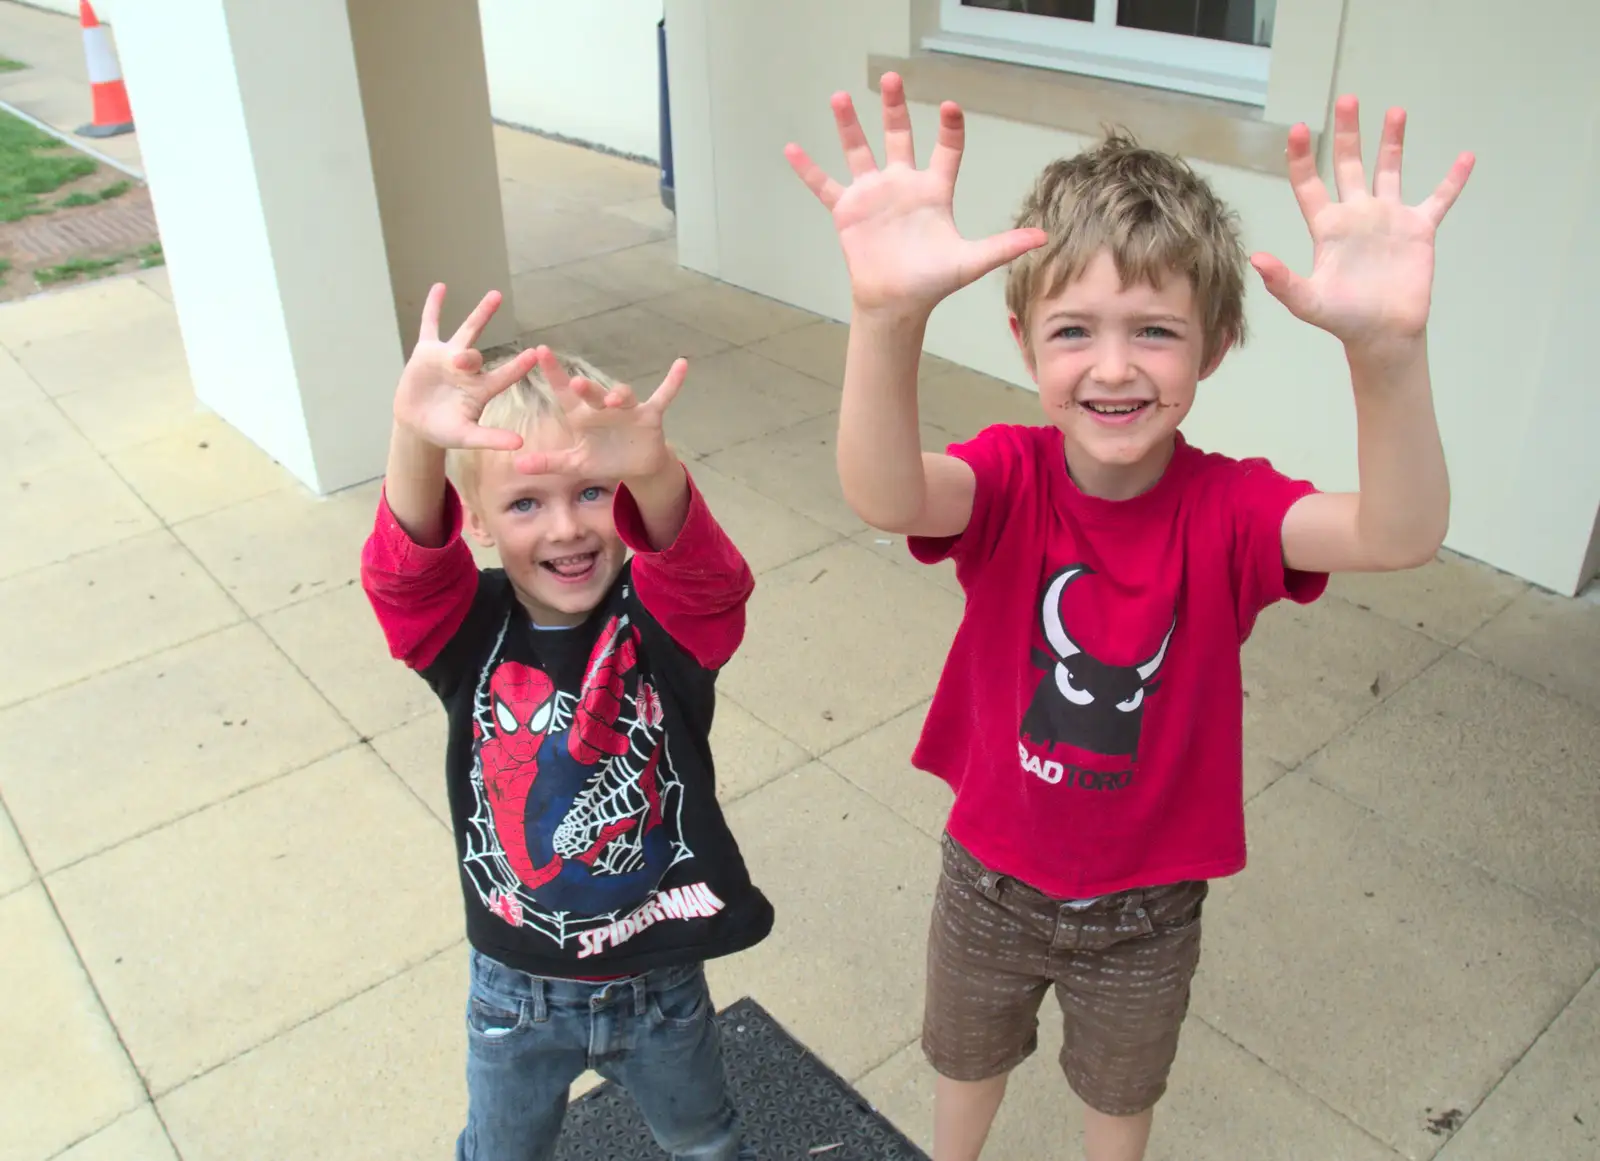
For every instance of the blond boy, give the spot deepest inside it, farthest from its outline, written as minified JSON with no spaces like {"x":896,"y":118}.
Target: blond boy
{"x":596,"y":868}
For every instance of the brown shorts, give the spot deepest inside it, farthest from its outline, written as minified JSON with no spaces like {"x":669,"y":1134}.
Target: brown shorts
{"x":1121,"y":967}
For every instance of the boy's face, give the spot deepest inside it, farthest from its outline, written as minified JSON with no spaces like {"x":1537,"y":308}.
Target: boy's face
{"x":1117,"y":369}
{"x":554,"y":533}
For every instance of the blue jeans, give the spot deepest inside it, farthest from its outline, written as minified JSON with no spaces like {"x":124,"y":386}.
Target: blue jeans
{"x":529,"y":1038}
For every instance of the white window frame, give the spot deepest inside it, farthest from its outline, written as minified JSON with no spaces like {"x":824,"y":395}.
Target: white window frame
{"x":1189,"y":64}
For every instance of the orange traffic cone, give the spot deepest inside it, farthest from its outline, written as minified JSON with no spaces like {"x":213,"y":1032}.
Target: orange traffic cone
{"x":112,"y":114}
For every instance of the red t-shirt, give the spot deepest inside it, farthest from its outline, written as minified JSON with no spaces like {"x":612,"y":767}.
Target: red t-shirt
{"x":1090,"y":714}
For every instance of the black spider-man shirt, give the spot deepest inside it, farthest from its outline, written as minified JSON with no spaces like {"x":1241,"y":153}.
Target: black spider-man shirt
{"x":581,"y":783}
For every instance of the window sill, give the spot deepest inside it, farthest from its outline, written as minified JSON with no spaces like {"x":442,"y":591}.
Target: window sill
{"x":1198,"y":128}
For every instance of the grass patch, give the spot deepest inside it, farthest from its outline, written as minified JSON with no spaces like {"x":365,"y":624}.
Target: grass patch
{"x":74,"y":269}
{"x":5,"y":268}
{"x":7,"y":65}
{"x":33,"y":163}
{"x":93,"y":199}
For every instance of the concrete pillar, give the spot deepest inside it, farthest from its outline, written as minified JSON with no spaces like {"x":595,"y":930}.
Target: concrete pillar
{"x":426,"y":94}
{"x":266,"y":182}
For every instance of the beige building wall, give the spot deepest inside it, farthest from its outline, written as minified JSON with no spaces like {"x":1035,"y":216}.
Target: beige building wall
{"x":426,"y":102}
{"x":1517,"y":403}
{"x":70,"y":7}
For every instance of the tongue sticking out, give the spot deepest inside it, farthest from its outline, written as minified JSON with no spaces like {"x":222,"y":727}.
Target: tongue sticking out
{"x":571,"y":566}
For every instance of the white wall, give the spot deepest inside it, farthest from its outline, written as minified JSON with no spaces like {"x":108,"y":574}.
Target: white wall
{"x":1552,"y":441}
{"x":1517,"y":408}
{"x":584,"y":69}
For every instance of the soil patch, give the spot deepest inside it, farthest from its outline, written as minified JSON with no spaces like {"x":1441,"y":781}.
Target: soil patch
{"x":68,"y":218}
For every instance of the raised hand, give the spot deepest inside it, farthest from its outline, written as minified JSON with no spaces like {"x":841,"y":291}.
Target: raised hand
{"x":1371,"y":279}
{"x":444,"y":388}
{"x":896,"y":225}
{"x":614,"y":435}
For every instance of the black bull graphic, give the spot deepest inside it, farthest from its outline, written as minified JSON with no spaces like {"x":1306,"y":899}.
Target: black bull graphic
{"x":1082,"y":701}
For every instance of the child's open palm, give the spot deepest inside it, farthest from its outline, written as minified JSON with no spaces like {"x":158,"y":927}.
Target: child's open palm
{"x":444,"y":388}
{"x":614,"y":435}
{"x":896,"y":225}
{"x":1371,"y":276}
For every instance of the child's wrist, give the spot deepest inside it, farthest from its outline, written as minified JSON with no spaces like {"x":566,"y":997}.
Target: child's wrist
{"x":668,"y":473}
{"x":891,"y":316}
{"x":415,"y":436}
{"x":1386,"y":355}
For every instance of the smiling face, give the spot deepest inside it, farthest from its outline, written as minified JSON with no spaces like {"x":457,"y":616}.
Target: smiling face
{"x":1117,"y":366}
{"x":1134,"y":298}
{"x":554,"y":533}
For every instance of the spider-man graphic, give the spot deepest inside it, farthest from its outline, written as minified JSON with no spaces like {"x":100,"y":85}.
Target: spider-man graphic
{"x":524,"y":702}
{"x":575,"y":788}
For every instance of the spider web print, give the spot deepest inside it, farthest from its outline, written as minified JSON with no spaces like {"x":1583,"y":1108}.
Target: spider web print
{"x":613,"y":794}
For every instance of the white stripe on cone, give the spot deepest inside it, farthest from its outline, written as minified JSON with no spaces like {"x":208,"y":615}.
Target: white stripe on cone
{"x":102,"y":57}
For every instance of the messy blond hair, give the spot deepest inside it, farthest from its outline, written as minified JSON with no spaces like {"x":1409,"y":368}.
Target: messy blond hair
{"x":519,"y":408}
{"x":1153,"y":213}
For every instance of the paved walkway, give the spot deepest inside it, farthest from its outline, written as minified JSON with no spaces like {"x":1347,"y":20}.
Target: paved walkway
{"x":227,"y":903}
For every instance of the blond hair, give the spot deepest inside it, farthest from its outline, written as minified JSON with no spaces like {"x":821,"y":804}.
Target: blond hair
{"x":1153,"y":213}
{"x":521,"y":407}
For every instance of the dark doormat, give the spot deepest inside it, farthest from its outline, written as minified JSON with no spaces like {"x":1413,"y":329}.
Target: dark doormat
{"x":794,"y":1106}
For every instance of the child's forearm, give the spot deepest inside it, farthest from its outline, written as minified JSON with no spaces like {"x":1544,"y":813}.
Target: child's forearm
{"x":662,"y":499}
{"x":414,"y":485}
{"x":415,"y":568}
{"x":693,"y":582}
{"x":1404,"y":508}
{"x":880,"y":441}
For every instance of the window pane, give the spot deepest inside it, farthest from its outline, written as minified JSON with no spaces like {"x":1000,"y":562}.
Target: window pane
{"x":1239,"y":21}
{"x":1065,"y":9}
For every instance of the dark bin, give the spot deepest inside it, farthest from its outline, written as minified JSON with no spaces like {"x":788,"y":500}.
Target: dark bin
{"x":668,"y":197}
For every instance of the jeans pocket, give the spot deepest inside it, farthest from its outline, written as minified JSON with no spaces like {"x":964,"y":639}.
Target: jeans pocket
{"x":492,"y":1019}
{"x":682,"y":1003}
{"x":991,"y":885}
{"x":1177,"y":908}
{"x":967,"y":873}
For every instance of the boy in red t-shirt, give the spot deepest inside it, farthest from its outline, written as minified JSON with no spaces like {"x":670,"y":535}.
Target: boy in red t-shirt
{"x":1090,"y":714}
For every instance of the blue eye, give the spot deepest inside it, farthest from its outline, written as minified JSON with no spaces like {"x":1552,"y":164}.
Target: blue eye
{"x":1158,"y":333}
{"x":523,"y":505}
{"x":1072,"y":333}
{"x":592,"y":494}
